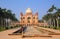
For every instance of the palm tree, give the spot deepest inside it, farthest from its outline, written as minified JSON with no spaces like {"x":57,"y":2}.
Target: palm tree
{"x":57,"y":14}
{"x":47,"y":18}
{"x":1,"y":17}
{"x":1,"y":14}
{"x":53,"y":17}
{"x":51,"y":11}
{"x":5,"y":15}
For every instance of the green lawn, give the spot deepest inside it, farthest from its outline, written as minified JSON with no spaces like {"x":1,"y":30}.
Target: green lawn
{"x":52,"y":27}
{"x":9,"y":27}
{"x":2,"y":28}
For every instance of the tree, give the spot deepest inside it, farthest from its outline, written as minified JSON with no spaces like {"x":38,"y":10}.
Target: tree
{"x":57,"y":14}
{"x":51,"y":11}
{"x":53,"y":18}
{"x":47,"y":18}
{"x":5,"y":15}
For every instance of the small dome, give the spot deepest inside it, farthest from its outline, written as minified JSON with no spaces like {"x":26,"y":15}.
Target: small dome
{"x":28,"y":10}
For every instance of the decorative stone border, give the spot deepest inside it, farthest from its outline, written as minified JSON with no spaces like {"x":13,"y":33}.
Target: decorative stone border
{"x":37,"y":36}
{"x":15,"y":34}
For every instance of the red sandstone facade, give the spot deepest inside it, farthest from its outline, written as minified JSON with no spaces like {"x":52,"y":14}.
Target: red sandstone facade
{"x":28,"y":18}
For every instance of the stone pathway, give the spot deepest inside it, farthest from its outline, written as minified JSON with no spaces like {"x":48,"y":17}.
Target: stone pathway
{"x":31,"y":31}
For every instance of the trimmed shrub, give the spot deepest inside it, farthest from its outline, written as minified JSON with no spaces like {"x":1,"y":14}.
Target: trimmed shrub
{"x":54,"y":27}
{"x":8,"y":27}
{"x":11,"y":27}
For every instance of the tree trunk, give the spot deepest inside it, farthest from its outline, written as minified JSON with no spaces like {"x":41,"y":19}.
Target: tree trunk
{"x":7,"y":21}
{"x":44,"y":22}
{"x":54,"y":22}
{"x":50,"y":22}
{"x":1,"y":22}
{"x":4,"y":22}
{"x":57,"y":23}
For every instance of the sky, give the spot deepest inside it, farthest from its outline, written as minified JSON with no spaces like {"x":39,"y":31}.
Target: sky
{"x":40,"y":6}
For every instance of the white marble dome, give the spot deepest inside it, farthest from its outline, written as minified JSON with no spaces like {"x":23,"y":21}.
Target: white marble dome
{"x":28,"y":10}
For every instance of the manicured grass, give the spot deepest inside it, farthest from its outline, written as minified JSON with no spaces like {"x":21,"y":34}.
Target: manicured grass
{"x":8,"y":27}
{"x":52,"y":27}
{"x":2,"y":28}
{"x":58,"y":28}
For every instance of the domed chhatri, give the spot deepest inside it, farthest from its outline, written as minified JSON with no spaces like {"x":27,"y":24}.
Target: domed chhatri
{"x":28,"y":10}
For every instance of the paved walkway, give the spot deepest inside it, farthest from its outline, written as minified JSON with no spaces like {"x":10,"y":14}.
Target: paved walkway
{"x":4,"y":34}
{"x":31,"y":31}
